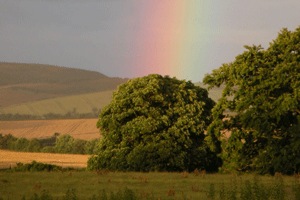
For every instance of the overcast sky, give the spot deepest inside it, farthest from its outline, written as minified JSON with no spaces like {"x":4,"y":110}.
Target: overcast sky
{"x":99,"y":35}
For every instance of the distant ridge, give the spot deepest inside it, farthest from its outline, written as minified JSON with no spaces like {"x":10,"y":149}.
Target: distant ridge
{"x":18,"y":73}
{"x":25,"y":82}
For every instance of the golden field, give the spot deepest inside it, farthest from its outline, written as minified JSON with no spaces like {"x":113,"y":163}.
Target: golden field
{"x":85,"y":129}
{"x":11,"y":158}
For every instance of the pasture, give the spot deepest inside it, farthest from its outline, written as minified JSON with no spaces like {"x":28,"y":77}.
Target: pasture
{"x":82,"y":103}
{"x":153,"y":185}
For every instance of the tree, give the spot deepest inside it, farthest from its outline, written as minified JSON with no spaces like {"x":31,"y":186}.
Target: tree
{"x":64,"y":144}
{"x":56,"y":134}
{"x":7,"y":141}
{"x":265,"y":89}
{"x":78,"y":146}
{"x":91,"y":147}
{"x":34,"y":146}
{"x":155,"y":123}
{"x":21,"y":144}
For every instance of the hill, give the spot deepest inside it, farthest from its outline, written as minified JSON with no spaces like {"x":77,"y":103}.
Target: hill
{"x":37,"y":89}
{"x":22,"y":82}
{"x":83,"y":103}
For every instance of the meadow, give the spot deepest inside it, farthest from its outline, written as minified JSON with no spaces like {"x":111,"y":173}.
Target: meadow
{"x":153,"y":185}
{"x":82,"y":103}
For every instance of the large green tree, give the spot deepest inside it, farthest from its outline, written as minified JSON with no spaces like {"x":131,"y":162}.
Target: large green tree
{"x":155,"y":123}
{"x":263,"y":89}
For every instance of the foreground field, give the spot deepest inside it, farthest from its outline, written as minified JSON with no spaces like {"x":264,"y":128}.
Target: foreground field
{"x":145,"y":185}
{"x":10,"y":158}
{"x":78,"y":128}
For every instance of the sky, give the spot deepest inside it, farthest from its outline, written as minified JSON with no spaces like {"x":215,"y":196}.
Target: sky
{"x":185,"y":39}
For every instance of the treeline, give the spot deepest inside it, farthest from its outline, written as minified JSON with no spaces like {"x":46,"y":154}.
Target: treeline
{"x":69,"y":115}
{"x":62,"y":144}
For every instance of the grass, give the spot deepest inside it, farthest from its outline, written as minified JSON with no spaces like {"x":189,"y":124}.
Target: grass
{"x":82,"y":103}
{"x":153,"y":185}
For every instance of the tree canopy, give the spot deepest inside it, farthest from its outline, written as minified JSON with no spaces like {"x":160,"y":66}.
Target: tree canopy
{"x":264,"y":86}
{"x":155,"y":123}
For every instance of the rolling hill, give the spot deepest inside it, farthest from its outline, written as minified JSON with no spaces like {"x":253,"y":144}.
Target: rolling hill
{"x":36,"y":89}
{"x":23,"y":83}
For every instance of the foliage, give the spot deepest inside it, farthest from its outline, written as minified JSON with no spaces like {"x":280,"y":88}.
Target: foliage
{"x":48,"y":149}
{"x":34,"y":146}
{"x":78,"y":146}
{"x":264,"y":86}
{"x":48,"y":141}
{"x":7,"y":141}
{"x":21,"y":144}
{"x":64,"y":144}
{"x":48,"y":116}
{"x":155,"y":123}
{"x":35,"y":166}
{"x":92,"y":146}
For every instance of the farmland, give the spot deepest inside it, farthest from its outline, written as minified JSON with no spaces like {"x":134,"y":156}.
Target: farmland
{"x":82,"y":103}
{"x":78,"y":128}
{"x":10,"y":158}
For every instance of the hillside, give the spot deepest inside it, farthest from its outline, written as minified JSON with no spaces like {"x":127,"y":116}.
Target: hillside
{"x":36,"y":89}
{"x":22,"y":82}
{"x":83,"y":103}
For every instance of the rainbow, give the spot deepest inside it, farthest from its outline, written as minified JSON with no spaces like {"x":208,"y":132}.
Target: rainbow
{"x":169,"y":38}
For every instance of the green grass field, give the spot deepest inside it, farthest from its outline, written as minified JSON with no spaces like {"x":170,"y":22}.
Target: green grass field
{"x":82,"y":103}
{"x":153,"y":185}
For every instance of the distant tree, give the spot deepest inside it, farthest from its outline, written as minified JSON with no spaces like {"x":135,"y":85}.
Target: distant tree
{"x":34,"y":146}
{"x":2,"y":142}
{"x":155,"y":123}
{"x":64,"y":144}
{"x":21,"y":144}
{"x":56,"y":134}
{"x":8,"y":142}
{"x":265,"y":85}
{"x":78,"y":146}
{"x":48,"y":149}
{"x":89,"y":146}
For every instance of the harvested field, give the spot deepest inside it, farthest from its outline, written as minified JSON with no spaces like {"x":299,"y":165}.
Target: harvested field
{"x":11,"y":158}
{"x":78,"y":128}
